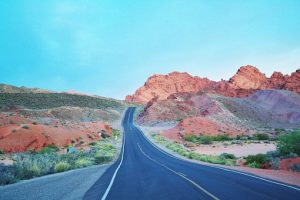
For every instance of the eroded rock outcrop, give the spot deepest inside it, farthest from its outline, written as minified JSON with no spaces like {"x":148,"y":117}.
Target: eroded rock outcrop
{"x":245,"y":82}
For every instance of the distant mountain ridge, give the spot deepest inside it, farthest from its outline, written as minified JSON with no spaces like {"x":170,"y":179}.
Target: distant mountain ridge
{"x":245,"y":82}
{"x":5,"y":88}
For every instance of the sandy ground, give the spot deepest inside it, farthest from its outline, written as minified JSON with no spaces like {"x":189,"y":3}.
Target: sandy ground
{"x":283,"y":176}
{"x":236,"y":149}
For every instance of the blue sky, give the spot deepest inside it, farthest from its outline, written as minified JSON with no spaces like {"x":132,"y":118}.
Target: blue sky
{"x":110,"y":48}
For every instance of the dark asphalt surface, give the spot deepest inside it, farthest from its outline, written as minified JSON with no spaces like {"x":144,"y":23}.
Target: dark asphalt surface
{"x":70,"y":185}
{"x":147,"y":173}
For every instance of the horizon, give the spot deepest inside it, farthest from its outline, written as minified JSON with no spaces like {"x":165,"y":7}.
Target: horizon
{"x":110,"y":49}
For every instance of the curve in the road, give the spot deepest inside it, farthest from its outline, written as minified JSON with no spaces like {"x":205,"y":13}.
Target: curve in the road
{"x":145,"y":172}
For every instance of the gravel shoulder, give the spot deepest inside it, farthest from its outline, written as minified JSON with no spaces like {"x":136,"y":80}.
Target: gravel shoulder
{"x":70,"y":185}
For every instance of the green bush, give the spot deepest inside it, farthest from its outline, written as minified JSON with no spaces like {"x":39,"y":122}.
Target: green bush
{"x":289,"y":143}
{"x":62,"y":166}
{"x":7,"y":174}
{"x":83,"y":162}
{"x":25,"y":127}
{"x":191,"y":138}
{"x":49,"y":149}
{"x":206,"y":140}
{"x":295,"y":167}
{"x":227,"y":156}
{"x":28,"y":171}
{"x":116,"y":133}
{"x":261,"y":136}
{"x":222,"y":138}
{"x":257,"y":160}
{"x":100,"y":158}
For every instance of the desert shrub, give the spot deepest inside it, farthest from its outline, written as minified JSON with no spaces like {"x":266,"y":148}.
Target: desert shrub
{"x":206,"y":139}
{"x":7,"y":174}
{"x":289,"y":143}
{"x":275,"y":163}
{"x":279,"y":131}
{"x":261,"y":136}
{"x":222,"y":138}
{"x":28,"y":171}
{"x":256,"y":160}
{"x":25,"y":127}
{"x":49,"y":149}
{"x":83,"y":162}
{"x":34,"y":123}
{"x":100,"y":158}
{"x":191,"y":138}
{"x":104,"y":152}
{"x":227,"y":156}
{"x":216,"y":160}
{"x":62,"y":166}
{"x":116,"y":133}
{"x":1,"y":151}
{"x":295,"y":167}
{"x":254,"y":165}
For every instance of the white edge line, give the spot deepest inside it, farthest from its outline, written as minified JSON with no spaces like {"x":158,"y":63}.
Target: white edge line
{"x":179,"y":174}
{"x":115,"y":173}
{"x":234,"y":171}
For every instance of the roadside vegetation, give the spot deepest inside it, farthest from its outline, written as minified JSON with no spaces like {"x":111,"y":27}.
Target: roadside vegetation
{"x":224,"y":159}
{"x":287,"y":146}
{"x":207,"y":139}
{"x":48,"y":161}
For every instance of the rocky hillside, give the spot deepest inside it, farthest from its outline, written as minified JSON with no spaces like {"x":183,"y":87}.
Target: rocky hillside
{"x":245,"y":82}
{"x":211,"y":114}
{"x":31,"y":121}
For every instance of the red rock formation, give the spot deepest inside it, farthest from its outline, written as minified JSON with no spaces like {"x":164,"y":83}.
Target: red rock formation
{"x":165,"y":85}
{"x":246,"y":81}
{"x":248,"y":78}
{"x":293,"y":82}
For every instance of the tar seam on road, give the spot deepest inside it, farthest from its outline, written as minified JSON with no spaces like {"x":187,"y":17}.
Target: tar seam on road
{"x":115,"y":173}
{"x":179,"y":174}
{"x":233,"y":171}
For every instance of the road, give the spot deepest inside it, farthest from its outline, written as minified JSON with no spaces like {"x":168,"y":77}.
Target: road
{"x":145,"y":172}
{"x":70,"y":185}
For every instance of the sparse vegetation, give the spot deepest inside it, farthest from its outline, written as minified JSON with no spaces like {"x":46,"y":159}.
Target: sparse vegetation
{"x":25,"y":126}
{"x":289,"y":143}
{"x":33,"y":164}
{"x":178,"y":148}
{"x":62,"y":166}
{"x":53,"y":100}
{"x":261,"y":136}
{"x":49,"y":149}
{"x":206,"y":139}
{"x":295,"y":167}
{"x":256,"y":161}
{"x":7,"y":175}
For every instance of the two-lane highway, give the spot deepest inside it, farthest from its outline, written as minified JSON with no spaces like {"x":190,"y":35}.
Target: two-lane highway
{"x":145,"y":172}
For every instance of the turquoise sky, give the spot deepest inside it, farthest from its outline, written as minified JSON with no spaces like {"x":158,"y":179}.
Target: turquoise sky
{"x":110,"y":47}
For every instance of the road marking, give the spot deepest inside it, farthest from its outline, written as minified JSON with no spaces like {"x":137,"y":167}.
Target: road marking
{"x":179,"y":174}
{"x":182,"y":174}
{"x":115,"y":173}
{"x":225,"y":169}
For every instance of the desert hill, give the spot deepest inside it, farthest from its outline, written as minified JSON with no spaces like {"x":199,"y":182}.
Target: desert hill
{"x":33,"y":120}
